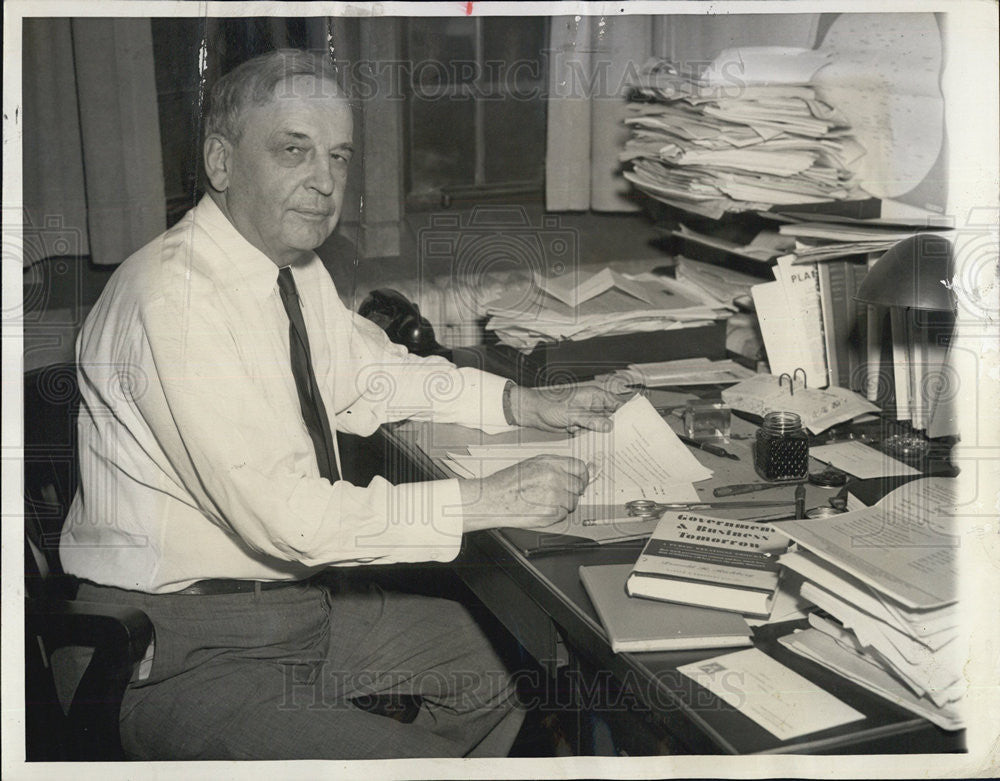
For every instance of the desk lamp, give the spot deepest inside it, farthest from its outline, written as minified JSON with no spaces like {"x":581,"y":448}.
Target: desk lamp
{"x":915,"y":273}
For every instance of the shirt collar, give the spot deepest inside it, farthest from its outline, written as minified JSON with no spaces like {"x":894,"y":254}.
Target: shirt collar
{"x":240,"y":265}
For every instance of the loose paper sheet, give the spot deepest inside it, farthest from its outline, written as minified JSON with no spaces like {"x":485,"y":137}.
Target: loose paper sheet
{"x":641,"y":458}
{"x":775,"y":697}
{"x":572,"y":294}
{"x":860,"y":460}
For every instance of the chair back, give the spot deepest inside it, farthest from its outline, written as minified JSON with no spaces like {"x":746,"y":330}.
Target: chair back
{"x":51,"y":474}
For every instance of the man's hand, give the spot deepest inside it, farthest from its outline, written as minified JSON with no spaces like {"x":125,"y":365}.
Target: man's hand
{"x":536,"y":492}
{"x":569,"y":408}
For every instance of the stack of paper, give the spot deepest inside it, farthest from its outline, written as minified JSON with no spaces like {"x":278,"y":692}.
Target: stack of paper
{"x":605,"y":304}
{"x":718,"y":281}
{"x":709,"y":144}
{"x":816,"y":241}
{"x":887,"y":576}
{"x":686,"y":371}
{"x":819,"y":237}
{"x":641,"y":458}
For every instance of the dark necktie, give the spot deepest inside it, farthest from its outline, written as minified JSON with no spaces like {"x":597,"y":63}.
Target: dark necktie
{"x":310,"y":399}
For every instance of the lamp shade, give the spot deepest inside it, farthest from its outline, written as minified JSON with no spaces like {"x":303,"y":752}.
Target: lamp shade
{"x":915,"y":273}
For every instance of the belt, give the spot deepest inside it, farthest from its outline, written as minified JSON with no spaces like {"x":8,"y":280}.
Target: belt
{"x":232,"y":586}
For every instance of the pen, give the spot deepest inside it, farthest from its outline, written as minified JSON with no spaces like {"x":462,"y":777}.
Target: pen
{"x":613,"y":521}
{"x":715,"y":450}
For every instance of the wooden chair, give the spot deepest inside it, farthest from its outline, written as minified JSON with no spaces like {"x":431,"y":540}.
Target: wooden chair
{"x":87,"y":728}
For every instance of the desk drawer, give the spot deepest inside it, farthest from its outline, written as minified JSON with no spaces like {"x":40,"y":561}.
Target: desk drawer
{"x":531,"y":626}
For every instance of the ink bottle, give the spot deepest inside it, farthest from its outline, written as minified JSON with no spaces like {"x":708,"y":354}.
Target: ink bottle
{"x":781,"y":451}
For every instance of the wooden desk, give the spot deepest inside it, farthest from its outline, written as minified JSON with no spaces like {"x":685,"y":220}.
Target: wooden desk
{"x":543,"y":604}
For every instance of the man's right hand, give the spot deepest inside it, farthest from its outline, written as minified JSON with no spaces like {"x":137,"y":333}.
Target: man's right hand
{"x":536,"y":492}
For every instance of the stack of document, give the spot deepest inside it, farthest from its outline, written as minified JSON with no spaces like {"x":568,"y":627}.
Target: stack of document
{"x":718,"y":281}
{"x":886,"y":578}
{"x":605,"y":304}
{"x":709,"y":144}
{"x":817,"y":241}
{"x":641,"y":458}
{"x":686,"y":371}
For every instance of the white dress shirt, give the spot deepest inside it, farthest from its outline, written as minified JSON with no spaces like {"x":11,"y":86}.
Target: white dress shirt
{"x":195,"y":461}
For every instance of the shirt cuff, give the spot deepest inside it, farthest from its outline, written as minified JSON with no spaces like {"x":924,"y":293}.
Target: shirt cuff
{"x":425,"y":523}
{"x":490,"y":390}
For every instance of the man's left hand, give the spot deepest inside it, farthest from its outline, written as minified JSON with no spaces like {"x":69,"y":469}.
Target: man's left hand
{"x":566,"y":408}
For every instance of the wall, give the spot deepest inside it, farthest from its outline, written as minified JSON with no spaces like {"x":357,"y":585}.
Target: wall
{"x":698,"y":37}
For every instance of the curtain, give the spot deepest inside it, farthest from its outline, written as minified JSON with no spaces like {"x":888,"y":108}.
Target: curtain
{"x":591,"y":63}
{"x":590,"y":60}
{"x":365,"y":50}
{"x":93,"y":164}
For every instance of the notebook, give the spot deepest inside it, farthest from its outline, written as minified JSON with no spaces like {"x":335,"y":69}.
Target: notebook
{"x":634,"y":624}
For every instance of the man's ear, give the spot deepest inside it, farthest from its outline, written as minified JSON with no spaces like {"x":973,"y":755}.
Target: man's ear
{"x":218,"y":154}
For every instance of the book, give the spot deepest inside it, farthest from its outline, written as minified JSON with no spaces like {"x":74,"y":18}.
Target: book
{"x":839,"y":281}
{"x":874,"y":346}
{"x":941,"y":412}
{"x":643,"y":625}
{"x":901,"y":375}
{"x":857,"y":318}
{"x":833,"y":295}
{"x":710,"y":562}
{"x":916,"y":350}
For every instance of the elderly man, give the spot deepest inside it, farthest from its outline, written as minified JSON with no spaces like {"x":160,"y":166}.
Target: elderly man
{"x":213,"y":370}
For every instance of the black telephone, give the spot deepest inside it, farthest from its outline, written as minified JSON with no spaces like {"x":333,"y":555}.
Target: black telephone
{"x":402,"y":322}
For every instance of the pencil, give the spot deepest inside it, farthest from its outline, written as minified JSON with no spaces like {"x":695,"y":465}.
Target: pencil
{"x":613,"y":521}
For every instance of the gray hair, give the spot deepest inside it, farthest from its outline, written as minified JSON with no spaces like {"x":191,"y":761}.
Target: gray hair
{"x":253,"y":83}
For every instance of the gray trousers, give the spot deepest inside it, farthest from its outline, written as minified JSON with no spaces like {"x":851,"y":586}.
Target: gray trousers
{"x":271,"y":675}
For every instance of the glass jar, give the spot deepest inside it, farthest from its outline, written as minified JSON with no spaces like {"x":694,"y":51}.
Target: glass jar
{"x":707,"y":421}
{"x":781,"y":451}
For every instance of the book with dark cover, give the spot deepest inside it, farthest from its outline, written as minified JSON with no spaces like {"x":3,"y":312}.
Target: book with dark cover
{"x":644,"y":625}
{"x":839,"y":281}
{"x":710,"y":562}
{"x":857,"y":318}
{"x":833,"y":304}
